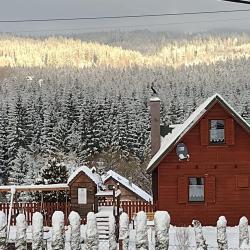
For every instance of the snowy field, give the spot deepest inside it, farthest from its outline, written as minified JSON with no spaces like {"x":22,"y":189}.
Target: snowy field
{"x":175,"y":243}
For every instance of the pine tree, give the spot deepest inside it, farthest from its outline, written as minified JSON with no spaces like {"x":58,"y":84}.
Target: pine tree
{"x":54,"y":172}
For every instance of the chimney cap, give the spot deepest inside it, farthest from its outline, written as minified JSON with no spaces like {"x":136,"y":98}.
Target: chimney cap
{"x":155,"y":99}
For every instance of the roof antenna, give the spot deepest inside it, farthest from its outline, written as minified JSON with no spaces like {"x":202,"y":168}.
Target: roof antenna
{"x":153,"y":89}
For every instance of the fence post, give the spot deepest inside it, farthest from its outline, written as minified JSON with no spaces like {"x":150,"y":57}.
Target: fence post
{"x":3,"y":231}
{"x":199,"y":238}
{"x":243,"y":233}
{"x":112,"y":233}
{"x":222,"y":233}
{"x":124,"y":231}
{"x":75,"y":233}
{"x":92,"y":240}
{"x":141,"y":231}
{"x":162,"y":223}
{"x":21,"y":237}
{"x":58,"y":234}
{"x":37,"y":231}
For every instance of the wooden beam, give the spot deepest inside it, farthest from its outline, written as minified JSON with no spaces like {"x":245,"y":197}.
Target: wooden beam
{"x":33,"y":188}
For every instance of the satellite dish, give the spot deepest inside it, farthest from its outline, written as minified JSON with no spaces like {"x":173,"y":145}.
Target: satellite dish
{"x":182,"y":152}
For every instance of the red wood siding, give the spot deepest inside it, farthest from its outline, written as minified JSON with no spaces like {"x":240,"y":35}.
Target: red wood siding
{"x":219,"y":165}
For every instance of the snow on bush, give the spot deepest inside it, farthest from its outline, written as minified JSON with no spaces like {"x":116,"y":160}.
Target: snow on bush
{"x":37,"y":231}
{"x":92,"y":240}
{"x":124,"y":230}
{"x":21,"y":238}
{"x":58,"y":233}
{"x":243,"y":233}
{"x":3,"y":234}
{"x":222,"y":233}
{"x":75,"y":233}
{"x":182,"y":237}
{"x":112,"y":237}
{"x":199,"y":238}
{"x":162,"y":222}
{"x":141,"y":231}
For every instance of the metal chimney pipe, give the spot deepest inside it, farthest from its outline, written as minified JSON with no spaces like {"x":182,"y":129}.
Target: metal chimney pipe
{"x":155,"y":125}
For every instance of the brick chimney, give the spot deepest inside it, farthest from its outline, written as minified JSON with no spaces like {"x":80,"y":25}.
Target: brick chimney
{"x":155,"y":125}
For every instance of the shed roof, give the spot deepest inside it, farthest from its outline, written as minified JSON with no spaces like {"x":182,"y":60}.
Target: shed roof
{"x":126,"y":183}
{"x":178,"y":132}
{"x":92,"y":175}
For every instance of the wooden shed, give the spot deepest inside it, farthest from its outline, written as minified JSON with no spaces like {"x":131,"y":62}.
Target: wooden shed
{"x":201,"y":170}
{"x":129,"y":191}
{"x":83,"y":185}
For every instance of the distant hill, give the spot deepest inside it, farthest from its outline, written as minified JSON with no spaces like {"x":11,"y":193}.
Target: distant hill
{"x":60,"y":51}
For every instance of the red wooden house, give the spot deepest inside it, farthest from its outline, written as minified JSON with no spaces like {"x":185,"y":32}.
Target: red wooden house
{"x":201,"y":169}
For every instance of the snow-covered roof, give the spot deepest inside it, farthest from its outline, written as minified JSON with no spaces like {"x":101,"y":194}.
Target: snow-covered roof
{"x":84,"y":169}
{"x":126,"y":183}
{"x":40,"y":187}
{"x":179,"y":131}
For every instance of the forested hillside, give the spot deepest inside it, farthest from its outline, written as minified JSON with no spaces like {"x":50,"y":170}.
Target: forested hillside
{"x":88,"y":102}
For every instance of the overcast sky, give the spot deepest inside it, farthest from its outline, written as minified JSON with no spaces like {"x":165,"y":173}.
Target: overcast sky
{"x":37,"y":9}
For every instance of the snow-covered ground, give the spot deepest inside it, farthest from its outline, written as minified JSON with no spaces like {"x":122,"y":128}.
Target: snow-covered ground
{"x":209,"y":234}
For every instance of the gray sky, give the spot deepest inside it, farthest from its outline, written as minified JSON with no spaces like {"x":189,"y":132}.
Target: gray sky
{"x":36,"y":9}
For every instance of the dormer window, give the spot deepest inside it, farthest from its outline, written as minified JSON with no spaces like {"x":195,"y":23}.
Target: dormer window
{"x":217,"y":131}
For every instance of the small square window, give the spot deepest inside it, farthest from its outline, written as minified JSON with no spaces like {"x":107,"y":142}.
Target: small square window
{"x":217,"y":131}
{"x":110,"y":187}
{"x":196,"y":189}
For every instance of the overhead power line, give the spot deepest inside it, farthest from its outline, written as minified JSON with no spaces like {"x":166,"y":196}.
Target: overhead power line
{"x":131,"y":26}
{"x":124,"y":16}
{"x":238,"y":1}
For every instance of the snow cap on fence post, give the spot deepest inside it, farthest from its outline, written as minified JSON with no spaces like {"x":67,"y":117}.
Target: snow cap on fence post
{"x":92,"y":240}
{"x":162,"y":223}
{"x":37,"y":231}
{"x":112,"y":236}
{"x":243,"y":233}
{"x":58,"y":233}
{"x":124,"y":230}
{"x":222,"y":233}
{"x":3,"y":230}
{"x":21,"y":237}
{"x":141,"y":231}
{"x":75,"y":232}
{"x":199,"y":238}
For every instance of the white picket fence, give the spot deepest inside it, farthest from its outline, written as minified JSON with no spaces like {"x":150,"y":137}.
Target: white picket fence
{"x":91,"y":242}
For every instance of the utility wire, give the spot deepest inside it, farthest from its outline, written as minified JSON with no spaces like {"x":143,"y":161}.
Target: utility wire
{"x":132,"y":26}
{"x":123,"y":17}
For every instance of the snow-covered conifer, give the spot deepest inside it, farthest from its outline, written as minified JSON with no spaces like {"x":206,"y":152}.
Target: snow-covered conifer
{"x":199,"y":238}
{"x":141,"y":231}
{"x":222,"y":233}
{"x":37,"y":231}
{"x":162,"y":223}
{"x":92,"y":240}
{"x":58,"y":232}
{"x":75,"y":233}
{"x":124,"y":230}
{"x":21,"y":237}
